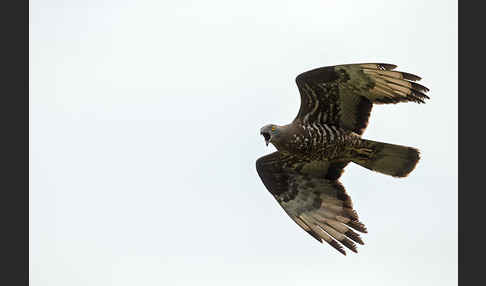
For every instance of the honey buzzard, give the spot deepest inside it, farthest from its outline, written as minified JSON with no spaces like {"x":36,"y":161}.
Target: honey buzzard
{"x":325,"y":136}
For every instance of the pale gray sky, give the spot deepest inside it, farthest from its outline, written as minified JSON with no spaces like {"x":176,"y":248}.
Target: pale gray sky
{"x":144,"y":128}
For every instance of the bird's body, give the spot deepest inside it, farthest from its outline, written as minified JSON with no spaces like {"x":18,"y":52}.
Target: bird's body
{"x":317,"y":141}
{"x":325,"y":137}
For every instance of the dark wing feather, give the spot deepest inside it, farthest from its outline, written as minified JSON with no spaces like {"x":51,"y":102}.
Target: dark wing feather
{"x":335,"y":170}
{"x":319,"y":206}
{"x":343,"y":95}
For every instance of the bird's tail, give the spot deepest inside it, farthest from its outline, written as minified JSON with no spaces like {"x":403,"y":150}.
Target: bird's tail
{"x":389,"y":159}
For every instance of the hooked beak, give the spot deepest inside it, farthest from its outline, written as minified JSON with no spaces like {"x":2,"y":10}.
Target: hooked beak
{"x":266,"y":136}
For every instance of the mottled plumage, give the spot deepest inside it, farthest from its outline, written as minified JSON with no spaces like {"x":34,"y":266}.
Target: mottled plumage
{"x":325,"y":136}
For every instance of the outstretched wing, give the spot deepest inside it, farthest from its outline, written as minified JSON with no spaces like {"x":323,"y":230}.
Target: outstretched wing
{"x":319,"y":205}
{"x":343,"y":95}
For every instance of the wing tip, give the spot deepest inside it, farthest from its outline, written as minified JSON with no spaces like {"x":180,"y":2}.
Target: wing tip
{"x":337,"y":246}
{"x":419,"y":87}
{"x":357,"y":225}
{"x":349,"y":244}
{"x":354,"y":236}
{"x":410,"y":76}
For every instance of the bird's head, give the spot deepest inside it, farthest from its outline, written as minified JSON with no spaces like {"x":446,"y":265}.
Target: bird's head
{"x":271,"y":133}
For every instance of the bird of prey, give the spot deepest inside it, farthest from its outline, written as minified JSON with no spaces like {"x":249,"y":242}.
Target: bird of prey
{"x":313,"y":150}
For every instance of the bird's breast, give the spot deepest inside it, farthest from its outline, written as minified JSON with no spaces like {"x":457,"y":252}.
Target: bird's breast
{"x":318,"y":140}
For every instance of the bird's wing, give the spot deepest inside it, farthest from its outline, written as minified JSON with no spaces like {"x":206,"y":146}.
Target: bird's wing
{"x":343,"y":95}
{"x":318,"y":205}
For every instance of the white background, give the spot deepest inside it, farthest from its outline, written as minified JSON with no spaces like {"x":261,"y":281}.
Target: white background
{"x":144,"y":127}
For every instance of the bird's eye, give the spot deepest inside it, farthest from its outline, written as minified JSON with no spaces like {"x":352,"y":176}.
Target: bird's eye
{"x":273,"y":128}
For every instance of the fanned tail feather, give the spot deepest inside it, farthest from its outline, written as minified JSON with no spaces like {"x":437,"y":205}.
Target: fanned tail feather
{"x":385,"y":158}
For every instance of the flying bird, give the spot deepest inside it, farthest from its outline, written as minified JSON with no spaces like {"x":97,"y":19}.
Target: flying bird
{"x":312,"y":151}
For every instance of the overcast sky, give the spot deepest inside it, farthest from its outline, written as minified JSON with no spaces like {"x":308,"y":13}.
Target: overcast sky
{"x":144,"y":132}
